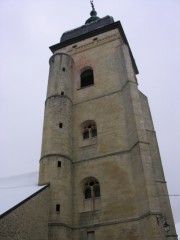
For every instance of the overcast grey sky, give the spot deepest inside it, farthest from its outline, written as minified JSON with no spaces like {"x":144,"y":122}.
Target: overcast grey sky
{"x":28,"y":28}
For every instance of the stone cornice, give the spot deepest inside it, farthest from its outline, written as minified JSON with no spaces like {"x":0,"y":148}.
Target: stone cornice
{"x":105,"y":223}
{"x":108,"y":94}
{"x":111,"y":154}
{"x":126,"y":151}
{"x":115,"y":25}
{"x":55,"y":155}
{"x":92,"y":44}
{"x":60,"y":96}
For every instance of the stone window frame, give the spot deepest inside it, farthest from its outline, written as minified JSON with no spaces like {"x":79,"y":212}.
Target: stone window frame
{"x":91,"y":189}
{"x":88,"y":130}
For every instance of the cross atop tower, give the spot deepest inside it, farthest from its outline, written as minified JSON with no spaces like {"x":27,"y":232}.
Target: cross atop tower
{"x":93,"y":14}
{"x":92,"y":4}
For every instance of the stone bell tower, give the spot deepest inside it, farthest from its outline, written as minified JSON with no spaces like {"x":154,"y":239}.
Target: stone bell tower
{"x":99,"y":147}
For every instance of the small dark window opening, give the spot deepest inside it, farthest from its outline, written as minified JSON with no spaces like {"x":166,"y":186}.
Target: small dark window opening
{"x":59,"y":164}
{"x":63,"y":69}
{"x":86,"y":134}
{"x":87,"y":78}
{"x":62,"y":93}
{"x":96,"y":191}
{"x":57,"y":207}
{"x":60,"y":125}
{"x":87,"y":193}
{"x":91,"y":235}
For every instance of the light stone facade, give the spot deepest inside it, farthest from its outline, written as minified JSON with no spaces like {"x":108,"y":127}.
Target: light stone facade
{"x":124,"y":157}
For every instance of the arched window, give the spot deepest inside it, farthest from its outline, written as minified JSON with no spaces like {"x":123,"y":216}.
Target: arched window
{"x":91,"y":189}
{"x":87,"y":78}
{"x":89,"y":129}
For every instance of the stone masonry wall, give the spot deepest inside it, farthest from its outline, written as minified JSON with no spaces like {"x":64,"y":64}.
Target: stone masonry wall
{"x":28,"y":221}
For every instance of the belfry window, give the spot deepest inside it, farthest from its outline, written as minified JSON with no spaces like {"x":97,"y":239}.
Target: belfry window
{"x":87,"y":78}
{"x":91,"y":189}
{"x":89,"y":130}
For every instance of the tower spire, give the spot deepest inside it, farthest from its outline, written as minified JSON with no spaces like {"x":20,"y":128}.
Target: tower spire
{"x":93,"y":14}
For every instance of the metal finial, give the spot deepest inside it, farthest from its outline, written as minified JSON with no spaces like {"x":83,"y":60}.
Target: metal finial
{"x":92,"y":4}
{"x":93,"y":14}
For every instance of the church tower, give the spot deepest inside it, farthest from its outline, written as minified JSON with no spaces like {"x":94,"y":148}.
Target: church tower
{"x":99,"y":148}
